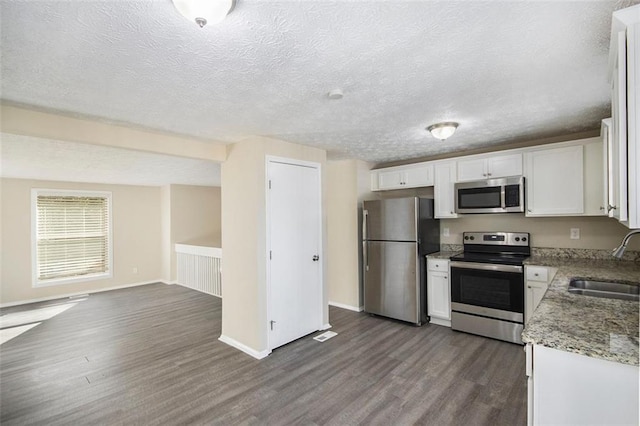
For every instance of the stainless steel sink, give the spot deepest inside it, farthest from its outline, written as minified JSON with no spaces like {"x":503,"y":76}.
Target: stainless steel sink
{"x":609,"y":290}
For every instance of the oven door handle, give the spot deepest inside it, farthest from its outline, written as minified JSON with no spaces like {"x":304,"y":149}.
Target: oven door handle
{"x":487,"y":267}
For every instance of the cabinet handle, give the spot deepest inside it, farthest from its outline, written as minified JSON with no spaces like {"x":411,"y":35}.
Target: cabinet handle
{"x":601,"y":208}
{"x":528,"y":286}
{"x":484,"y":174}
{"x":529,"y":210}
{"x":488,"y":174}
{"x":536,"y":275}
{"x":451,"y":212}
{"x":610,"y":207}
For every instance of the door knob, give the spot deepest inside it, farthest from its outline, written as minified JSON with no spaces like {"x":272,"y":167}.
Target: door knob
{"x":316,"y":257}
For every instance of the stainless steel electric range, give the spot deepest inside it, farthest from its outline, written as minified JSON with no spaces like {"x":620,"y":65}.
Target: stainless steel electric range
{"x":487,"y":284}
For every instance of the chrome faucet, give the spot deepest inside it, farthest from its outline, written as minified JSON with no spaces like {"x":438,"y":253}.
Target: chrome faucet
{"x":619,"y":251}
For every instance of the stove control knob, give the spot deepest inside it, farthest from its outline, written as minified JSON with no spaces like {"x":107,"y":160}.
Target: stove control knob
{"x":524,"y":238}
{"x":472,"y":238}
{"x":466,"y":237}
{"x":518,"y":239}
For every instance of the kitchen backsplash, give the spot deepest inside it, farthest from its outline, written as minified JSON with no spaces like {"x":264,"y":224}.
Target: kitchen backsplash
{"x":593,"y":254}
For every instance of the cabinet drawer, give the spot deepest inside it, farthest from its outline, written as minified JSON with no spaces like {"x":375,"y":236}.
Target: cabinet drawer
{"x":441,"y":265}
{"x":537,"y":273}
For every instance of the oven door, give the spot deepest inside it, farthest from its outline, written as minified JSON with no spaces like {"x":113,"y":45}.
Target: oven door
{"x":490,"y":290}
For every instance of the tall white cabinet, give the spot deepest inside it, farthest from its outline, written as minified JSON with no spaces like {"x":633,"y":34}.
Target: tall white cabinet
{"x":624,"y":76}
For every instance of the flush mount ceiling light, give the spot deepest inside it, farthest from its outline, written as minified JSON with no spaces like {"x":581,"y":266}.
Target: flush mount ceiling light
{"x":443,"y":130}
{"x":204,"y":12}
{"x":335,"y":94}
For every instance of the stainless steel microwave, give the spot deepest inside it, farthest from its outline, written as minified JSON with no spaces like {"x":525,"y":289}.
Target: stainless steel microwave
{"x":504,"y":195}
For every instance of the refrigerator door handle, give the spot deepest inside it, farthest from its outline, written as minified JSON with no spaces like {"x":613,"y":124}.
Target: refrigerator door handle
{"x":365,"y":241}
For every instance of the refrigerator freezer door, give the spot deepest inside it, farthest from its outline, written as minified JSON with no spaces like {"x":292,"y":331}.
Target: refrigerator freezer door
{"x":392,"y":280}
{"x":391,"y":220}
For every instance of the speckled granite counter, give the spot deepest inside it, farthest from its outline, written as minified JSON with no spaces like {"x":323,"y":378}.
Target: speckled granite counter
{"x":591,"y":326}
{"x":442,"y":254}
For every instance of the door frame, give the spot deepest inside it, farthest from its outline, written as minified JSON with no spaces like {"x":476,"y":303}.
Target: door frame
{"x":301,"y":163}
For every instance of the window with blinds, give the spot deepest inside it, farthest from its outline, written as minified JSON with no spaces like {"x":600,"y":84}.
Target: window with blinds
{"x":72,"y":236}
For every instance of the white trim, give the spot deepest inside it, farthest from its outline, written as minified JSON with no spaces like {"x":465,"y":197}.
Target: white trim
{"x":78,"y":293}
{"x":198,"y":250}
{"x":325,"y":327}
{"x":244,"y":348}
{"x":345,"y":306}
{"x":438,"y":321}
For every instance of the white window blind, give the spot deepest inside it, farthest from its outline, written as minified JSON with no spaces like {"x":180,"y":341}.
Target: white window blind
{"x":72,"y":236}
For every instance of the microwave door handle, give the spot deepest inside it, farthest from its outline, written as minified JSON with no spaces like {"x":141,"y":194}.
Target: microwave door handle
{"x":503,"y":202}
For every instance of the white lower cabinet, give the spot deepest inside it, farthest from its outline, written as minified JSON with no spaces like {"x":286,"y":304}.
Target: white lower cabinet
{"x":537,"y":279}
{"x":438,"y":292}
{"x":566,"y":388}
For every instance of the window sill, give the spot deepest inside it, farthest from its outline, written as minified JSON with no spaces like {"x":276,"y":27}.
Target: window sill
{"x":72,"y":280}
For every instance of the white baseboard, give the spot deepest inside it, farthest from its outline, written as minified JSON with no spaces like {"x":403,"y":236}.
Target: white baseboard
{"x":345,"y":306}
{"x":439,"y":321}
{"x":244,"y":348}
{"x":78,"y":293}
{"x":326,"y":326}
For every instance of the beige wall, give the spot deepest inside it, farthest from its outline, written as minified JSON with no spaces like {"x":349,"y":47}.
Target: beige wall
{"x":28,"y":122}
{"x":136,"y":239}
{"x":347,"y":186}
{"x":195,"y":217}
{"x":244,"y":311}
{"x":595,"y":232}
{"x":342,"y":233}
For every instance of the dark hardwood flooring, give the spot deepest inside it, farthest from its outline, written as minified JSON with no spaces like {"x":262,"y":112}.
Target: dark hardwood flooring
{"x":151,"y":355}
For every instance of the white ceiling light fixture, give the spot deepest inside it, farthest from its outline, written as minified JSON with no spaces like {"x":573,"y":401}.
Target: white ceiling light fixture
{"x":443,"y":130}
{"x":204,"y":12}
{"x":335,"y":94}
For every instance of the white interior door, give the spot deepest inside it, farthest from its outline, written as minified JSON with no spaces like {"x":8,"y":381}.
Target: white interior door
{"x":295,"y":267}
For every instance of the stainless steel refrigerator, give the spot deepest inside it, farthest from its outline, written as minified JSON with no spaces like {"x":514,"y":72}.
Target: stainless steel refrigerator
{"x":397,"y":235}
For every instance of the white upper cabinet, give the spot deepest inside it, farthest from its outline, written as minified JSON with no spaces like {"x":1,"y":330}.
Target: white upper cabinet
{"x":490,"y":167}
{"x":401,"y":177}
{"x":554,"y":181}
{"x":443,"y":193}
{"x":624,"y":76}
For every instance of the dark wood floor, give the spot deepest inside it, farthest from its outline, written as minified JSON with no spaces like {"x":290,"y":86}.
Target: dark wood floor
{"x":150,"y":355}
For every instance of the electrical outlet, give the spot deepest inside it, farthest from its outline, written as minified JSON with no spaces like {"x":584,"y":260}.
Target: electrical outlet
{"x":135,"y":270}
{"x":445,"y":232}
{"x":575,"y":233}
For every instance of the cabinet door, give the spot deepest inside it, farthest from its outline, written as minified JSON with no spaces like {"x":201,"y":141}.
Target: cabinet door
{"x":594,"y":182}
{"x":573,"y":389}
{"x":393,"y":179}
{"x":443,"y":192}
{"x":619,"y":132}
{"x":475,"y":169}
{"x":439,"y":298}
{"x":534,"y":292}
{"x":504,"y":165}
{"x":419,"y":176}
{"x":555,"y":182}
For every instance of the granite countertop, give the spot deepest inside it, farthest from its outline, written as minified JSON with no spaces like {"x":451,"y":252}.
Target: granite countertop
{"x":595,"y":327}
{"x":442,"y":254}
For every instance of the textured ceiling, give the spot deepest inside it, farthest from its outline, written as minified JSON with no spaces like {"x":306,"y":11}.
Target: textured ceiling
{"x":25,"y":157}
{"x":505,"y":70}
